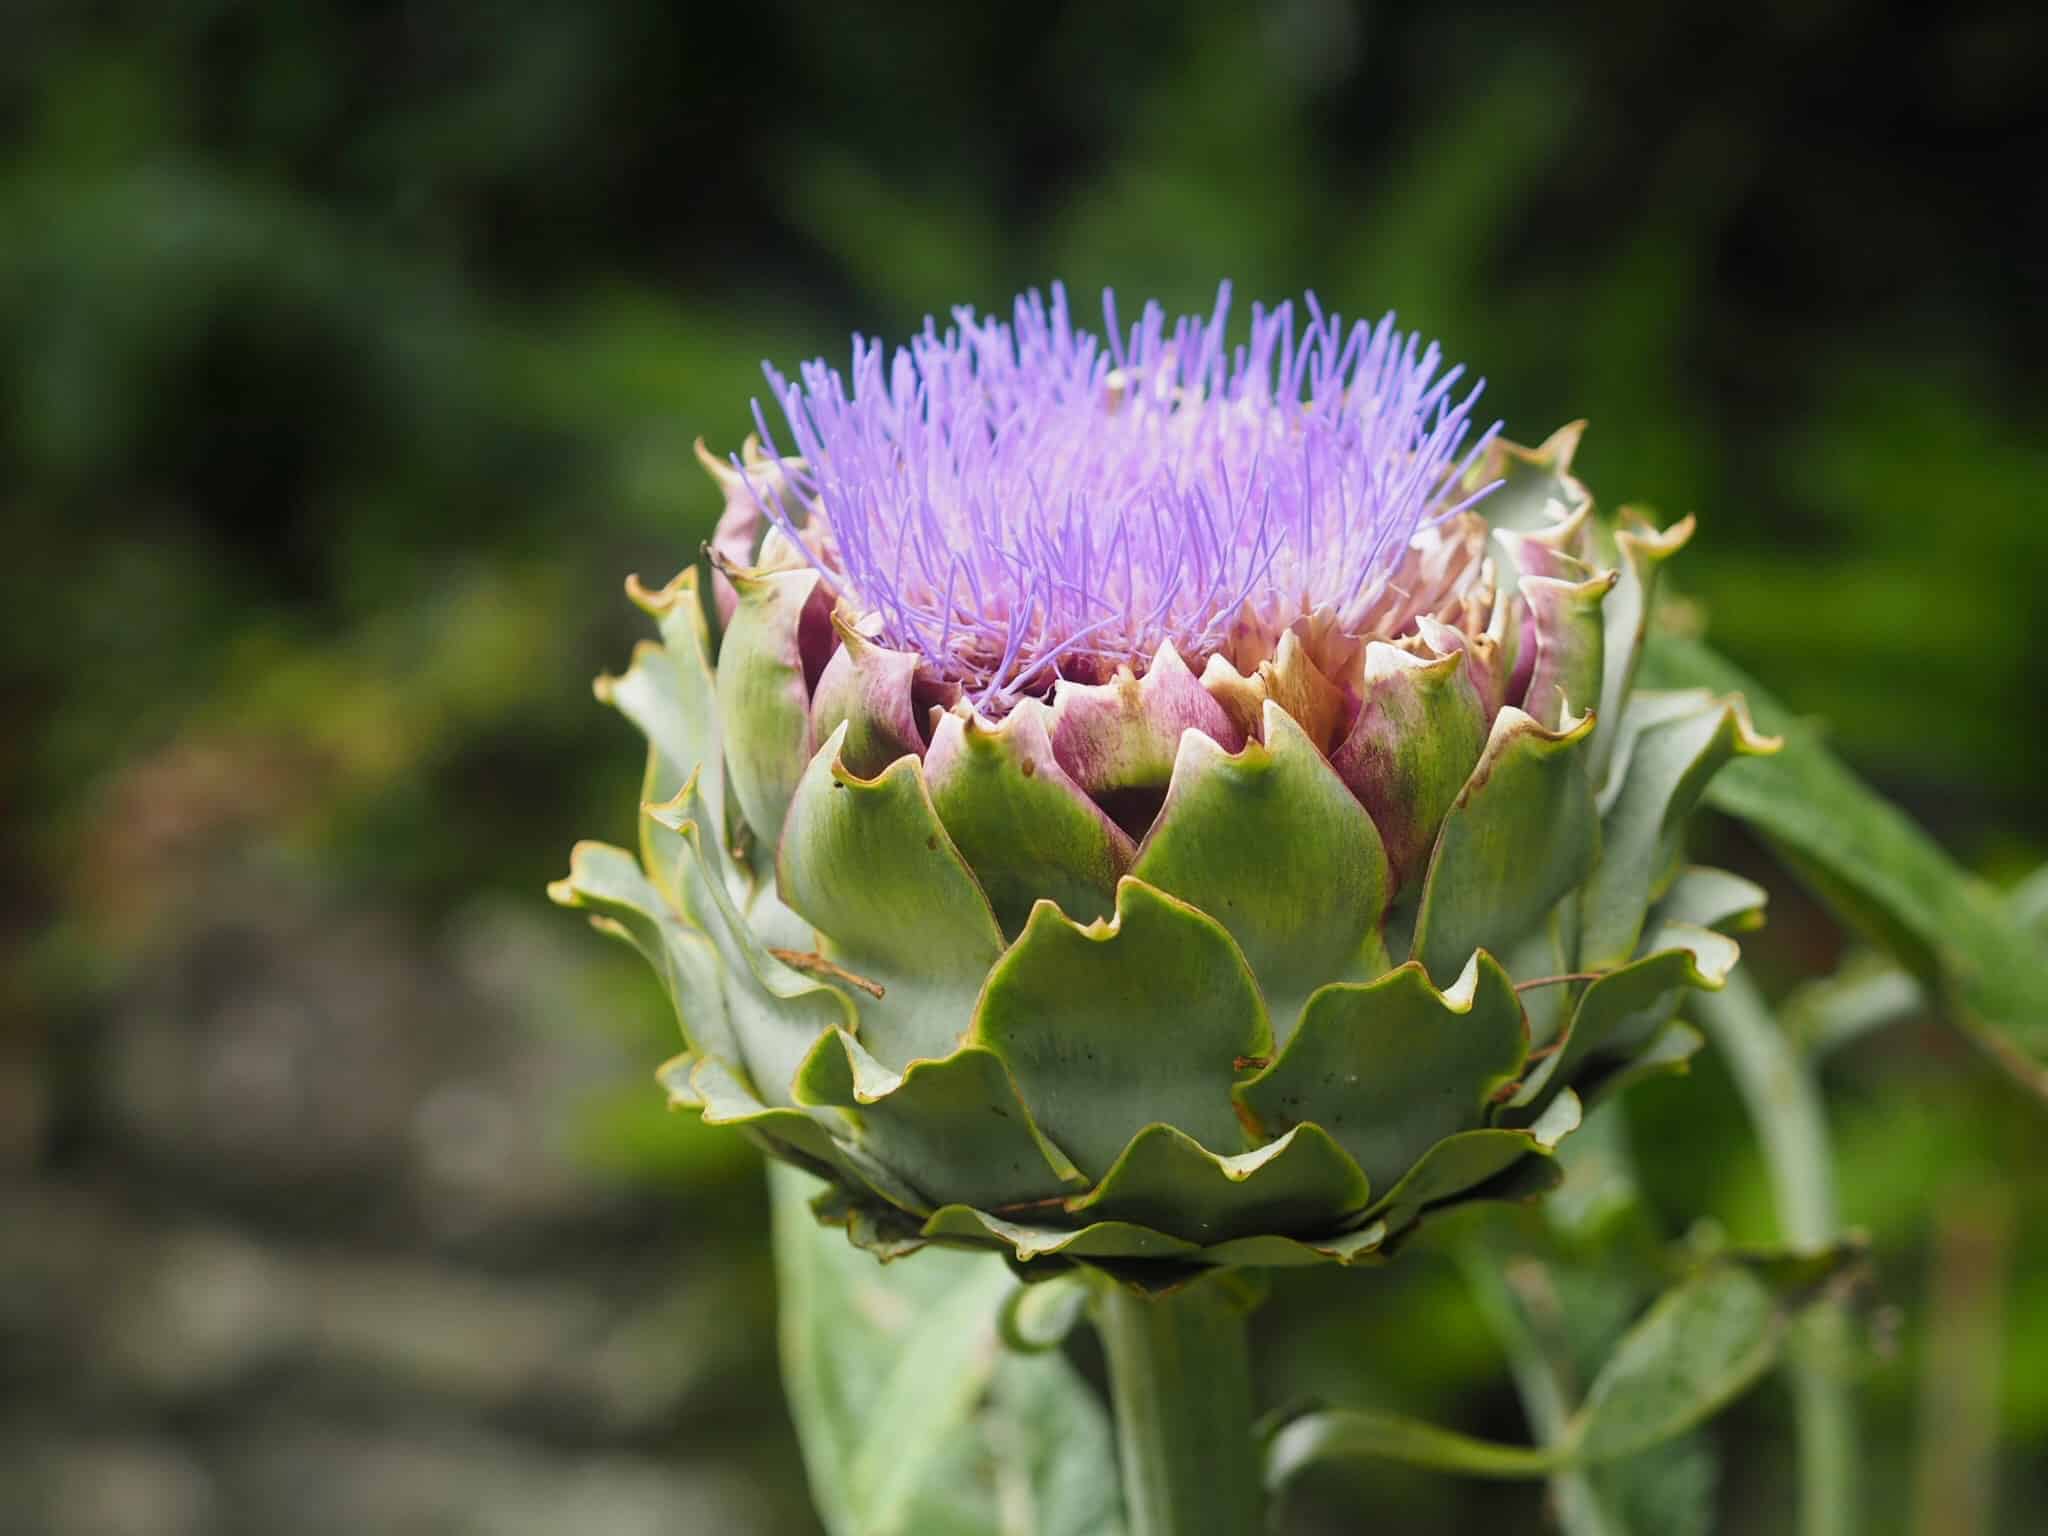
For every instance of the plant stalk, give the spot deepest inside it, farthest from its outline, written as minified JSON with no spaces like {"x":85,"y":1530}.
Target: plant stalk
{"x":1785,"y":1108}
{"x":1180,"y":1383}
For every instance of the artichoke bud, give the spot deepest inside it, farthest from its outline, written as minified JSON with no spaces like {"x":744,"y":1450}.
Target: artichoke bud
{"x":1157,"y":804}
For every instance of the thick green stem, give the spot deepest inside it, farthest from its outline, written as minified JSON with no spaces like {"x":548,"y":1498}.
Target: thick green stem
{"x":1785,"y":1109}
{"x":1180,"y":1381}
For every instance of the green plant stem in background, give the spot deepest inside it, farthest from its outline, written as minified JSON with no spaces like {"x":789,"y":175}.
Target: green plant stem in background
{"x":1955,"y":1474}
{"x":1180,"y":1382}
{"x":1543,"y":1395}
{"x":1785,"y":1112}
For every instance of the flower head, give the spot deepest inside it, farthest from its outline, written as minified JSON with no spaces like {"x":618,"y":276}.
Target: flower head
{"x":1144,"y":807}
{"x":1019,"y":502}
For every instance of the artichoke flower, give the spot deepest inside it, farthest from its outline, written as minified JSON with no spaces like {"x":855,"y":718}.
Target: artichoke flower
{"x":1159,"y":804}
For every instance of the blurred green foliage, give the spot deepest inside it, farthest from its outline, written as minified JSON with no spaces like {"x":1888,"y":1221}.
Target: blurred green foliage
{"x":350,"y":355}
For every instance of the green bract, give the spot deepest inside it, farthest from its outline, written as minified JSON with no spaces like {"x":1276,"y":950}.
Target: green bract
{"x":1252,"y":966}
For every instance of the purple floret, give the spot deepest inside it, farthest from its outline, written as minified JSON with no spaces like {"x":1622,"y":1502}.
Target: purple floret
{"x":1019,"y":502}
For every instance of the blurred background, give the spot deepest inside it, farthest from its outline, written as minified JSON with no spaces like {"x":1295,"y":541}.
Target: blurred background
{"x":350,"y":355}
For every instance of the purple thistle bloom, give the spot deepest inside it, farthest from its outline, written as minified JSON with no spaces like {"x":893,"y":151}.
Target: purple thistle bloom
{"x":1018,"y":503}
